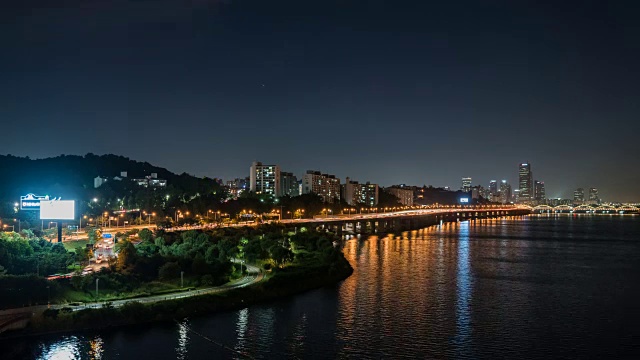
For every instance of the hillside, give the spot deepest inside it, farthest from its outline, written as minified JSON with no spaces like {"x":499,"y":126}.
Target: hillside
{"x":71,"y":177}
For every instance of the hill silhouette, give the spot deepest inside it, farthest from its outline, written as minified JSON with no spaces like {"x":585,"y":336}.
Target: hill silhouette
{"x":72,"y":176}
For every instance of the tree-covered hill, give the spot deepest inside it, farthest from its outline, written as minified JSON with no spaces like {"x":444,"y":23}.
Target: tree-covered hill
{"x":72,"y":176}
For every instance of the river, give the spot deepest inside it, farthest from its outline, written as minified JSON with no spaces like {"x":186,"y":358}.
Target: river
{"x":529,"y":287}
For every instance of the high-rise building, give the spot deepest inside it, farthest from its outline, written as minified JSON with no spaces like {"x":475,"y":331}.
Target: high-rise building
{"x":466,"y":184}
{"x":505,"y":192}
{"x":525,"y":183}
{"x":265,"y":179}
{"x":593,"y":196}
{"x":370,"y":194}
{"x":493,"y":187}
{"x":354,"y":193}
{"x":404,"y":195}
{"x":516,"y":196}
{"x":325,"y":185}
{"x":539,"y":194}
{"x":289,"y":184}
{"x":578,"y":196}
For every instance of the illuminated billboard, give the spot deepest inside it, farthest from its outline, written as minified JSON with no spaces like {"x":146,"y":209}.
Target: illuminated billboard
{"x":464,"y":200}
{"x":31,"y":201}
{"x":57,"y":210}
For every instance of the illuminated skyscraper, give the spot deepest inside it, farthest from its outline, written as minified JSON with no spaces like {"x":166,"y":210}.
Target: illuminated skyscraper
{"x":578,"y":196}
{"x":539,"y":194}
{"x":505,"y":192}
{"x":493,"y":187}
{"x":525,"y":183}
{"x":593,"y":196}
{"x":466,"y":184}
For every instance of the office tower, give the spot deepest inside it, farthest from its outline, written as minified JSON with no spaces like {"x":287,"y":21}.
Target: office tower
{"x":525,"y":183}
{"x":466,"y":184}
{"x":265,"y":179}
{"x":493,"y":187}
{"x":505,"y":192}
{"x":539,"y":194}
{"x":593,"y":196}
{"x":578,"y":196}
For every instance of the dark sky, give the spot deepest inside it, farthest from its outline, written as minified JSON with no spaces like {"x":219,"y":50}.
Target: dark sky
{"x":416,"y":92}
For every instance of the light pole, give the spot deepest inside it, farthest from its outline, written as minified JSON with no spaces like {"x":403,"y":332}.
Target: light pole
{"x":48,"y":296}
{"x":181,"y":279}
{"x":97,"y":287}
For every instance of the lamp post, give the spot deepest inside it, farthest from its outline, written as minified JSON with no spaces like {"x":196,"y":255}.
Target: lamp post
{"x":48,"y":296}
{"x":181,"y":279}
{"x":97,"y":287}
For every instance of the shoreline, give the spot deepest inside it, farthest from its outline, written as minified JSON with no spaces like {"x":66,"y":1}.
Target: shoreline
{"x":281,"y":285}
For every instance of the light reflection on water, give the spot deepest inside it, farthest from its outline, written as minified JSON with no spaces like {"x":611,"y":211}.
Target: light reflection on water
{"x":67,"y":348}
{"x":502,"y":288}
{"x":464,"y":291}
{"x":183,"y":340}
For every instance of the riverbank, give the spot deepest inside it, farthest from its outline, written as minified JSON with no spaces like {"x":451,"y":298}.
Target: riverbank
{"x":280,"y":283}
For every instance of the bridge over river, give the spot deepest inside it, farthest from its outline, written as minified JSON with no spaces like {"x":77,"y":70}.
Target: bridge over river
{"x":404,"y":220}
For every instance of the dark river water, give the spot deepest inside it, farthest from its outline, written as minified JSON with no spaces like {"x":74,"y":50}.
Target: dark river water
{"x":517,"y":288}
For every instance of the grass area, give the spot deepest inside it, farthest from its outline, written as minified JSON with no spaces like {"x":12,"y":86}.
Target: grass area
{"x":71,"y":245}
{"x":71,"y":295}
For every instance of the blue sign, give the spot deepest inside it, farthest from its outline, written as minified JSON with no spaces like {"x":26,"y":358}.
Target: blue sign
{"x":107,"y":236}
{"x":31,"y":201}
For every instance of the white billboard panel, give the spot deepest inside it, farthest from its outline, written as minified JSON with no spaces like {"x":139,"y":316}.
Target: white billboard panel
{"x":57,"y":210}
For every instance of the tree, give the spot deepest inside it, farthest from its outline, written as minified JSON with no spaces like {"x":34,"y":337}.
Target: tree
{"x":169,"y":270}
{"x":146,"y":235}
{"x":128,"y":256}
{"x":76,"y":281}
{"x":81,"y":253}
{"x":93,"y":235}
{"x":50,"y":234}
{"x":280,"y":255}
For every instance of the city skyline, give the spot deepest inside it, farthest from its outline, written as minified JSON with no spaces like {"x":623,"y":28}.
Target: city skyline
{"x":415,"y":93}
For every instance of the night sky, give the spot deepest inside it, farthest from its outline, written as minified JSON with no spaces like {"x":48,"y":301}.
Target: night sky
{"x":414,"y":92}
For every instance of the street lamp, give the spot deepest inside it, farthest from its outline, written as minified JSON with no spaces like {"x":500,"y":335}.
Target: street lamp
{"x":97,"y":287}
